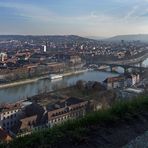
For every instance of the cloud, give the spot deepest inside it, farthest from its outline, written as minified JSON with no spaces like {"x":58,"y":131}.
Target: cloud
{"x":94,"y":21}
{"x":131,"y":13}
{"x":36,"y":13}
{"x":30,"y":11}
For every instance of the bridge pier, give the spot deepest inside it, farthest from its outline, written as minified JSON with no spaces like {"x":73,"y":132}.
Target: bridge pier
{"x":125,"y":69}
{"x":140,"y":67}
{"x":112,"y":68}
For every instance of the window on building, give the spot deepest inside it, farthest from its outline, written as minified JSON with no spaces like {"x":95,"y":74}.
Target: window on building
{"x":29,"y":124}
{"x":33,"y":123}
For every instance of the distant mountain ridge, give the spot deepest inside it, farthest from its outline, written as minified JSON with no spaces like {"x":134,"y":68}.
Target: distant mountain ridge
{"x":131,"y":37}
{"x":96,"y":37}
{"x":44,"y":37}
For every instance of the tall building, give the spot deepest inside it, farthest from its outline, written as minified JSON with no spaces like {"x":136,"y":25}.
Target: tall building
{"x":45,"y":48}
{"x":3,"y":56}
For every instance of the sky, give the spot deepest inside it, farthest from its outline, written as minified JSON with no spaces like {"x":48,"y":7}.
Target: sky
{"x":78,"y":17}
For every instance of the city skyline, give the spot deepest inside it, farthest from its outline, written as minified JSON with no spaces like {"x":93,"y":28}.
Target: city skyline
{"x":79,"y":17}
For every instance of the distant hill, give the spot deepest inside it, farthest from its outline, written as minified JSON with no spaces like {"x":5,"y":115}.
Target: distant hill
{"x":51,"y":38}
{"x":132,"y":37}
{"x":73,"y":38}
{"x":96,"y":37}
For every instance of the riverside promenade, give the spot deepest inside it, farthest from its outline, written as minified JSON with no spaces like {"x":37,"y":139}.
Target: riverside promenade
{"x":26,"y":81}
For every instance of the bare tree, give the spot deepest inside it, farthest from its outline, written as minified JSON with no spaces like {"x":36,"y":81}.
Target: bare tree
{"x":80,"y":85}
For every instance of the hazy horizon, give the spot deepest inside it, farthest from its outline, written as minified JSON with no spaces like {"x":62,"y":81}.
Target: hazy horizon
{"x":105,"y":18}
{"x":71,"y":35}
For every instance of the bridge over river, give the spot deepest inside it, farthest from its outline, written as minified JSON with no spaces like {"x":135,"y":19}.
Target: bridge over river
{"x":125,"y":64}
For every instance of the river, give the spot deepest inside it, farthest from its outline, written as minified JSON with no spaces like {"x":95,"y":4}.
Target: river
{"x":12,"y":94}
{"x":145,"y":63}
{"x":20,"y":92}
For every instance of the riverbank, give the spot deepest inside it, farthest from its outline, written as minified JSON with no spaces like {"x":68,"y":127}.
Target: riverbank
{"x":74,"y":72}
{"x":27,"y":81}
{"x":18,"y":83}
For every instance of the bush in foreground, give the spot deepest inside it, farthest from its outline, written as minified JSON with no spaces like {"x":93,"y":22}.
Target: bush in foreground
{"x":77,"y":130}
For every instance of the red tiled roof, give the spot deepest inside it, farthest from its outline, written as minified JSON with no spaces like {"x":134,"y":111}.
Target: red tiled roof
{"x":113,"y":79}
{"x":4,"y":135}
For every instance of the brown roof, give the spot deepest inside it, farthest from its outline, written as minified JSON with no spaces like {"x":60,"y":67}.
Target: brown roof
{"x":113,"y":79}
{"x":10,"y":107}
{"x":61,"y":109}
{"x":4,"y":136}
{"x":68,"y":102}
{"x":25,"y":121}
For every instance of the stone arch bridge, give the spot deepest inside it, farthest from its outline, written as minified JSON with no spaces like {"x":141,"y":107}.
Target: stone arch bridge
{"x":125,"y":64}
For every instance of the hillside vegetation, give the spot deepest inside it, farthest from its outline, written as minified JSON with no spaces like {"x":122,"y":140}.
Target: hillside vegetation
{"x":77,"y":132}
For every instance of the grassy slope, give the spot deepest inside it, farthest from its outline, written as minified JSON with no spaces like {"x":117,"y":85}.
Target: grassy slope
{"x":77,"y":130}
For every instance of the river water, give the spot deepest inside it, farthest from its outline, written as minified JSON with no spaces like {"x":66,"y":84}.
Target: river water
{"x":145,"y":63}
{"x":20,"y":92}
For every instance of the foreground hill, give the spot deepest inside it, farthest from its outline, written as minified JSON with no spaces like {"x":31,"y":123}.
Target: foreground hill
{"x":136,"y":37}
{"x":114,"y":127}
